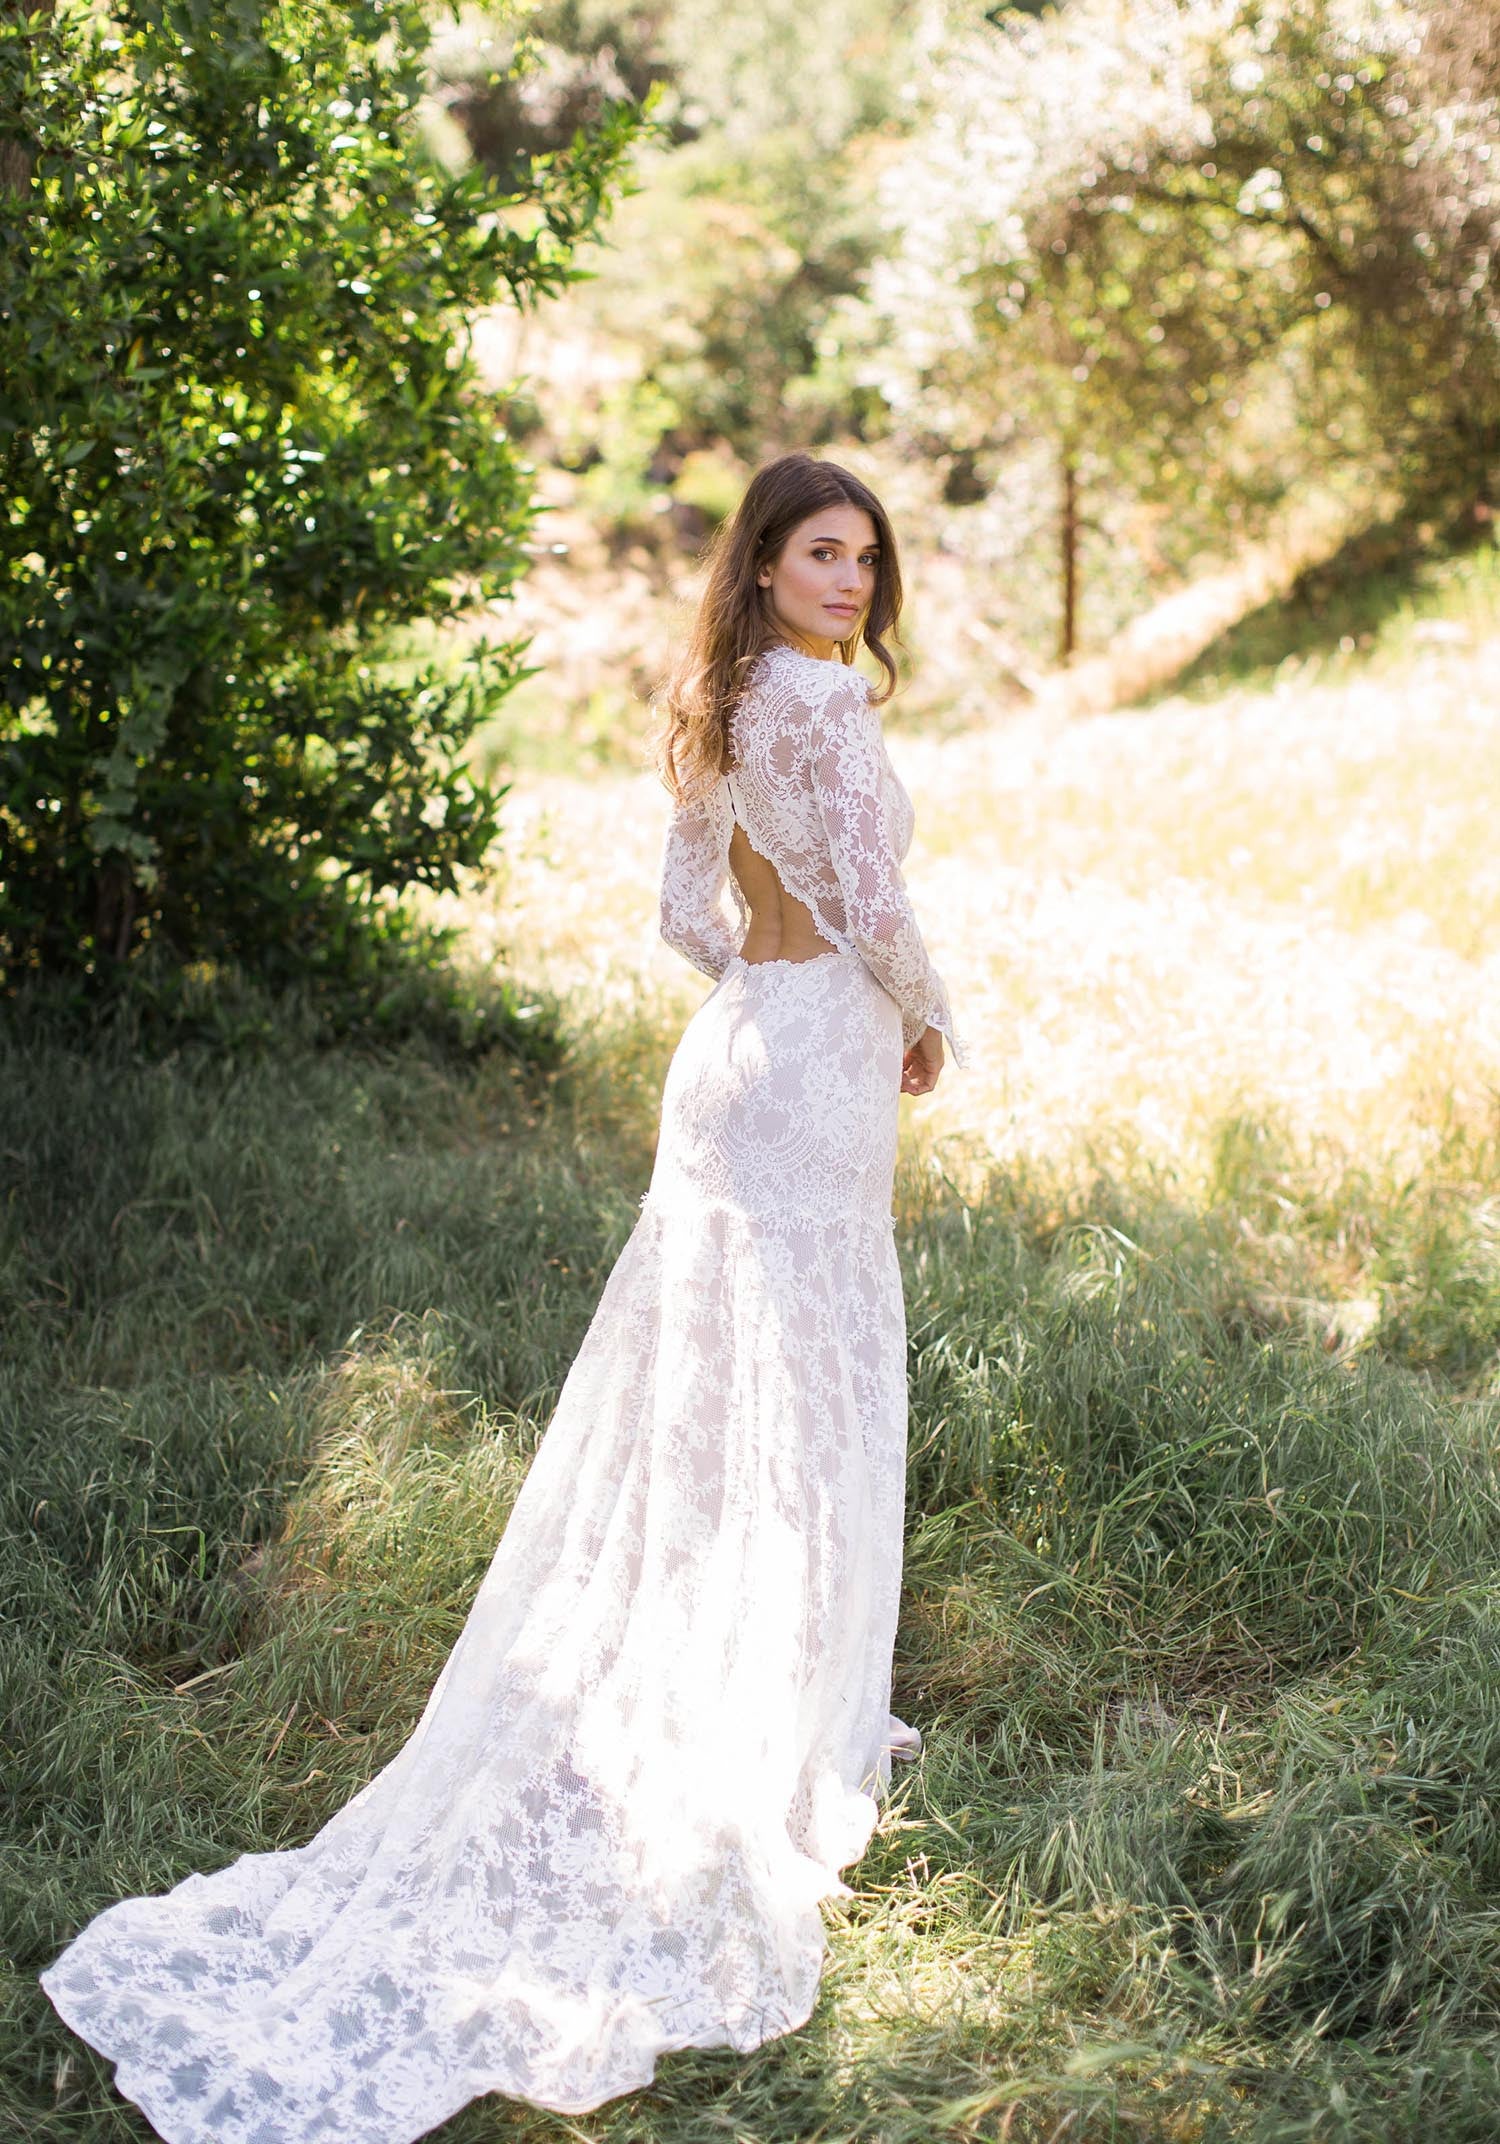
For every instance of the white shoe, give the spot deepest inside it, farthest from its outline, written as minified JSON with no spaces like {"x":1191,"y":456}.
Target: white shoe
{"x":903,"y":1742}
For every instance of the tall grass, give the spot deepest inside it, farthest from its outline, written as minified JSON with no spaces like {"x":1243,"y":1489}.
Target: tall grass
{"x":1202,"y":1618}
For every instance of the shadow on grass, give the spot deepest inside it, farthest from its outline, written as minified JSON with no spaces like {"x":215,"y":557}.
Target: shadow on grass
{"x":1379,"y":580}
{"x":1200,"y":1620}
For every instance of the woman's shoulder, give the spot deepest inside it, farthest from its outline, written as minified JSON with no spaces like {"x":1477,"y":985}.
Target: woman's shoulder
{"x":808,"y":678}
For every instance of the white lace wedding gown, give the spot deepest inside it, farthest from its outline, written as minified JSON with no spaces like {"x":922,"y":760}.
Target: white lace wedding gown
{"x":659,"y":1735}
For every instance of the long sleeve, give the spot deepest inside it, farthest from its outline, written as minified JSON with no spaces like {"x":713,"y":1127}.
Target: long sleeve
{"x":848,"y":760}
{"x":694,"y":873}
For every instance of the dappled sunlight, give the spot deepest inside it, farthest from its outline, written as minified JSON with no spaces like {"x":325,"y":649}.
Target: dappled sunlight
{"x":410,"y":1478}
{"x":1183,"y":1579}
{"x":573,"y":904}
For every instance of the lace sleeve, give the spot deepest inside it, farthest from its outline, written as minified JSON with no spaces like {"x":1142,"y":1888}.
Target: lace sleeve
{"x":694,"y":871}
{"x":847,"y":755}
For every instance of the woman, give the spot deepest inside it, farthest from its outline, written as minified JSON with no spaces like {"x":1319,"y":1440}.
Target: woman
{"x":660,"y":1733}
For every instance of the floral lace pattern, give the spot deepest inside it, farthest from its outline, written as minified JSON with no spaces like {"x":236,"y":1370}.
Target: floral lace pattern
{"x":814,"y":790}
{"x":664,"y":1726}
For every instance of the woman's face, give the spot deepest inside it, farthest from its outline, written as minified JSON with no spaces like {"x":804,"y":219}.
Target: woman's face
{"x":820,"y":587}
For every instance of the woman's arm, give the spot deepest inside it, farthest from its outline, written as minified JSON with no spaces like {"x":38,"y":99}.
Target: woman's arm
{"x":848,"y":757}
{"x":694,"y":872}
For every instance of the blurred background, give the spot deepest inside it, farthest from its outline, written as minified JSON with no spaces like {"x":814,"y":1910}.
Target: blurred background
{"x":1109,"y":300}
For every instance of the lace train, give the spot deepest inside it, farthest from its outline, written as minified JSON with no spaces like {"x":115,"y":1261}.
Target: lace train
{"x":660,"y":1733}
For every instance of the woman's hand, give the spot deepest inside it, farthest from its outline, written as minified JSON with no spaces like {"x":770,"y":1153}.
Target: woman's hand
{"x":923,"y":1062}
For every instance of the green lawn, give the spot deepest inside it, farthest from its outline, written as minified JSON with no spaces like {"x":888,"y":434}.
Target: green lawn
{"x":1203,"y":1609}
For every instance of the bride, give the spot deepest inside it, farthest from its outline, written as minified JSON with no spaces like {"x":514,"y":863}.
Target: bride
{"x":664,"y":1727}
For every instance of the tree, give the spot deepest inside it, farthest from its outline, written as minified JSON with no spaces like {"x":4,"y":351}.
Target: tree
{"x":1199,"y":250}
{"x":1356,"y":145}
{"x":1001,"y":328}
{"x":239,"y":447}
{"x":753,"y":208}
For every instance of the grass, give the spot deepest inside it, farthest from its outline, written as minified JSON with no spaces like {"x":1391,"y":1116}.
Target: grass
{"x":1202,"y":1614}
{"x":1202,"y":1619}
{"x":1281,"y":903}
{"x":1430,"y":574}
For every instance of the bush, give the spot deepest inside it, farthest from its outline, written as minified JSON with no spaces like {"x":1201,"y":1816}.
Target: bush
{"x":239,"y":445}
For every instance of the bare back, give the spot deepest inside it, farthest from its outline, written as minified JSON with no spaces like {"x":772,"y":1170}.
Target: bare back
{"x":808,"y":824}
{"x":780,"y":927}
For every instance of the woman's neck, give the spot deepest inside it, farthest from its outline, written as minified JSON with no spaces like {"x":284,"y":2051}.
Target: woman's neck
{"x":823,"y":651}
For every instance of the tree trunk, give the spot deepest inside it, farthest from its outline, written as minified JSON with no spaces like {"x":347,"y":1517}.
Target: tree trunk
{"x":114,"y":909}
{"x":1067,"y":639}
{"x":15,"y":166}
{"x":17,"y":152}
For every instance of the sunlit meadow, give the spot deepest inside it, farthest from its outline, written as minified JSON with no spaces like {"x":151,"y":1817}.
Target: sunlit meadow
{"x":1284,"y":900}
{"x":1202,"y":1261}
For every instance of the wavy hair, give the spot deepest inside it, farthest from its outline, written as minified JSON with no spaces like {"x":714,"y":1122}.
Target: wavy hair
{"x":733,"y":623}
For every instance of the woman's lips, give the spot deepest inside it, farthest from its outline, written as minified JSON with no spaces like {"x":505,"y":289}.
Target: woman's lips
{"x":843,"y":610}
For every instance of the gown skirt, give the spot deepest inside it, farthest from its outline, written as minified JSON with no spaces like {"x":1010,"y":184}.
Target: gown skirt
{"x":663,"y":1729}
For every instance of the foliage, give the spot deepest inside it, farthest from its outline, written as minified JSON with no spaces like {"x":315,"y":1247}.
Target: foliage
{"x":754,"y":210}
{"x":1439,"y":574}
{"x":734,"y":362}
{"x":239,"y":443}
{"x":1200,"y":251}
{"x":394,"y":981}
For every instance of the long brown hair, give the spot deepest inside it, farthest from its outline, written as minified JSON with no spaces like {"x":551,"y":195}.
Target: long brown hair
{"x":733,"y":623}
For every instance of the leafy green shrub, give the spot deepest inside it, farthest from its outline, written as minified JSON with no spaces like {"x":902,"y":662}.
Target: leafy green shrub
{"x":239,"y":444}
{"x":389,"y":984}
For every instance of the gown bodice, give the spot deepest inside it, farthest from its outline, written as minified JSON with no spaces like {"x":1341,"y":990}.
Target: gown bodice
{"x":811,"y":784}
